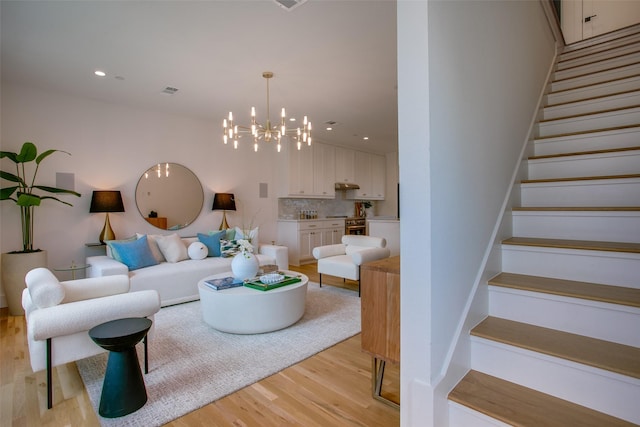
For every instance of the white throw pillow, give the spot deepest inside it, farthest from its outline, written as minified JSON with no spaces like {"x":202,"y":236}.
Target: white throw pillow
{"x":198,"y":250}
{"x":172,"y":248}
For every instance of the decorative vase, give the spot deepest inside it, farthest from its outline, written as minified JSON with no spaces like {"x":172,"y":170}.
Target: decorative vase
{"x":244,"y":266}
{"x":15,"y":266}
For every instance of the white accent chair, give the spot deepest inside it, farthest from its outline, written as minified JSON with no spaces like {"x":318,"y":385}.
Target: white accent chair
{"x":60,"y":314}
{"x":344,"y":259}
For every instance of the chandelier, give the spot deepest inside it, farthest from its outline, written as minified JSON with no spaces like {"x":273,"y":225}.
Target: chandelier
{"x":268,"y":132}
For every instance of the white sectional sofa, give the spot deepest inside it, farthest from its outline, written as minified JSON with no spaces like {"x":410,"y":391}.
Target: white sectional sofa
{"x":177,"y":282}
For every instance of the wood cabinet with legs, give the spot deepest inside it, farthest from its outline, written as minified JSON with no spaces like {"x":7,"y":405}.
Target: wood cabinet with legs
{"x":380,"y":294}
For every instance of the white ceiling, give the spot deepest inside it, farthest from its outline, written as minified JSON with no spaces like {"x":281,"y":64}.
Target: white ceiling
{"x":333,"y":60}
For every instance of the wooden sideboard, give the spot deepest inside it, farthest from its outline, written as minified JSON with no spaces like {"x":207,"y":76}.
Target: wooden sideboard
{"x":160,"y":222}
{"x":380,"y":315}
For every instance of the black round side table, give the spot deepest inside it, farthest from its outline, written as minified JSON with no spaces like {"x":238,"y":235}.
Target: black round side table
{"x":123,"y":389}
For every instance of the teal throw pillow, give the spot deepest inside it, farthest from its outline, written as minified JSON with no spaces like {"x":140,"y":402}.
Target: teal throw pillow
{"x":112,"y":252}
{"x":134,"y":254}
{"x":212,"y":242}
{"x":229,"y":248}
{"x":231,"y":234}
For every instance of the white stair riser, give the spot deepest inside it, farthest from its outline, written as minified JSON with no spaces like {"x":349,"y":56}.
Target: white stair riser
{"x":610,"y":322}
{"x":598,"y":193}
{"x":622,"y":85}
{"x":603,"y":391}
{"x":609,"y":268}
{"x":626,"y":117}
{"x":462,"y":416}
{"x":620,"y":138}
{"x":603,"y":76}
{"x":599,"y":226}
{"x":623,"y":100}
{"x":603,"y":44}
{"x":611,"y":53}
{"x":597,"y":66}
{"x":602,"y":164}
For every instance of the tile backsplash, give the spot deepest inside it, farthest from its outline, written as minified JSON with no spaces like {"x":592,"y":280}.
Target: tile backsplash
{"x":290,"y":208}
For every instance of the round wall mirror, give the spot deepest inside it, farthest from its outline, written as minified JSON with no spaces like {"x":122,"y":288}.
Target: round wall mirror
{"x":169,"y":196}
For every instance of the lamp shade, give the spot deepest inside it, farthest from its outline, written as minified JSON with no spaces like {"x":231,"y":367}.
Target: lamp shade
{"x":106,"y":201}
{"x":224,"y":202}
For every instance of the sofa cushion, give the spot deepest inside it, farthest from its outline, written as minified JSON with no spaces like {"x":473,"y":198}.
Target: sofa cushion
{"x":44,"y":288}
{"x":110,"y":252}
{"x":197,"y":250}
{"x":250,"y":235}
{"x":212,"y":241}
{"x":172,"y":247}
{"x":134,"y":254}
{"x":229,"y":248}
{"x":153,"y":245}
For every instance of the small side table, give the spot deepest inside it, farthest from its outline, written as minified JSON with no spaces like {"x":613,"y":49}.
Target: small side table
{"x":73,"y":268}
{"x":123,"y":389}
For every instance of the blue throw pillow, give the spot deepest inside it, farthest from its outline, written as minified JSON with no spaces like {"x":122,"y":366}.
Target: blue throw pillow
{"x":212,"y":241}
{"x":135,"y":254}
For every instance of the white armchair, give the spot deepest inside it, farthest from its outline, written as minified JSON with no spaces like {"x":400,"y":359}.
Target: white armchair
{"x":344,"y":259}
{"x":60,"y":314}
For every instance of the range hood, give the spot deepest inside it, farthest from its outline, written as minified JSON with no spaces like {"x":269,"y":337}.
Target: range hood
{"x":343,"y":186}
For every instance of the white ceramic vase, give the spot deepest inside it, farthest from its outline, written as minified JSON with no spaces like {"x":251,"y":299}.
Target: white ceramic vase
{"x":244,"y":266}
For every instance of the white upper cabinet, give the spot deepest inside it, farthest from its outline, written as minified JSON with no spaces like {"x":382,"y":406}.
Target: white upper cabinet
{"x":324,"y":170}
{"x":370,"y":175}
{"x":308,"y":172}
{"x":345,"y":165}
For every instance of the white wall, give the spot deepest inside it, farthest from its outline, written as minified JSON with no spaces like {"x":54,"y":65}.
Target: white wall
{"x":111,"y":146}
{"x":463,"y":123}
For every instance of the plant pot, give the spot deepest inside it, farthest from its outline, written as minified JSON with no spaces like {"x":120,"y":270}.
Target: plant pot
{"x":244,"y":266}
{"x":14,"y":267}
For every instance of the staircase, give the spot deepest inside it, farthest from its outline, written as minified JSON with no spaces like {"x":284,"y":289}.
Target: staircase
{"x":561,"y":344}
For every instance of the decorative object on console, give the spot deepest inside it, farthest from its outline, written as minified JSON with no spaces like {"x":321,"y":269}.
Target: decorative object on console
{"x":267,"y":132}
{"x":224,"y":202}
{"x":106,"y":201}
{"x":245,"y":264}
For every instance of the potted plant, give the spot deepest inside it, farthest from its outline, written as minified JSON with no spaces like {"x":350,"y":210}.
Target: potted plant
{"x":22,"y":192}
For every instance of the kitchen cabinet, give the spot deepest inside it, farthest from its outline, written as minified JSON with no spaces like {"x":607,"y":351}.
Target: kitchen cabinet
{"x":370,"y":175}
{"x":345,"y":165}
{"x":308,"y":172}
{"x":301,"y":236}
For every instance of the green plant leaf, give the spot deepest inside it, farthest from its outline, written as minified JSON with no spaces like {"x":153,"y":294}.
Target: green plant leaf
{"x":47,"y":153}
{"x":56,"y":199}
{"x":56,"y":190}
{"x":28,"y":200}
{"x":5,"y":193}
{"x":11,"y":177}
{"x":11,"y":155}
{"x":28,"y":153}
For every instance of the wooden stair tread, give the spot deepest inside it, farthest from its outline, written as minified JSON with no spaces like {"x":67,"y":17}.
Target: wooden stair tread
{"x":591,"y":113}
{"x":589,"y":291}
{"x":604,"y":70}
{"x":521,"y":406}
{"x":578,"y":208}
{"x":604,"y":82}
{"x":592,"y":98}
{"x":580,"y":178}
{"x":585,"y":153}
{"x":590,"y":245}
{"x":588,"y":132}
{"x":610,"y":356}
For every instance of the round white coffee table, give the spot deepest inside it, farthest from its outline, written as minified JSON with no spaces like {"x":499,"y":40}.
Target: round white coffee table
{"x":244,"y":310}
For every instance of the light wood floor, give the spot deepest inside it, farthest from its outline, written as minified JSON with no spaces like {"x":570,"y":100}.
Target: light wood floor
{"x":332,"y":388}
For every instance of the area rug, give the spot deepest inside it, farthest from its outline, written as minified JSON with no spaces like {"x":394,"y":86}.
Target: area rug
{"x":192,"y":364}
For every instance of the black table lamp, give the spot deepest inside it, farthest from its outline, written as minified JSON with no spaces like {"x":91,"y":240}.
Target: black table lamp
{"x":224,"y":202}
{"x":106,"y":201}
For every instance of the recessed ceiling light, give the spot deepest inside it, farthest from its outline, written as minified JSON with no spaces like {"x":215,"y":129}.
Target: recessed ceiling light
{"x":366,"y":138}
{"x":100,"y":73}
{"x":329,"y":128}
{"x":292,"y":119}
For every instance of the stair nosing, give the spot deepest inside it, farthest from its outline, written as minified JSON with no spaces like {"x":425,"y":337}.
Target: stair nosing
{"x":592,"y":98}
{"x":604,"y":82}
{"x":587,"y":132}
{"x":597,"y":61}
{"x":592,"y":113}
{"x":611,"y":294}
{"x":585,"y":153}
{"x":577,"y":208}
{"x":609,"y":356}
{"x":580,"y":178}
{"x":587,"y":245}
{"x":594,"y":72}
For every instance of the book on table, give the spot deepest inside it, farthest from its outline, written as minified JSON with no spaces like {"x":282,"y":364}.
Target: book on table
{"x":256,"y":283}
{"x":223,"y":283}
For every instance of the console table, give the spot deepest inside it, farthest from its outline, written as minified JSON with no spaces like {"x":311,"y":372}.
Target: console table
{"x":380,"y":315}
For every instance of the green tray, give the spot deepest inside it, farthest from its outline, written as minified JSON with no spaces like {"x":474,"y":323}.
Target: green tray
{"x":257,"y":284}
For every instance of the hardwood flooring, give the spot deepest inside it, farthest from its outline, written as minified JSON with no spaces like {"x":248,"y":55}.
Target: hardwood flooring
{"x":332,"y":388}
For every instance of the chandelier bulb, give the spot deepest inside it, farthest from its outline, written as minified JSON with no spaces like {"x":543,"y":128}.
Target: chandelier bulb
{"x":230,"y":116}
{"x":235,"y":144}
{"x":255,"y":147}
{"x":279,"y":146}
{"x":299,"y":145}
{"x":283,"y":113}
